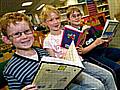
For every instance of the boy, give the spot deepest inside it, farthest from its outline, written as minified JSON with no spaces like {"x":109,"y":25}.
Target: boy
{"x":105,"y":55}
{"x":22,"y":67}
{"x":94,"y":77}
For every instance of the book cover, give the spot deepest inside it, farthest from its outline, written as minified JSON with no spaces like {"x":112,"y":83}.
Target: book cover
{"x":70,"y":33}
{"x":109,"y":29}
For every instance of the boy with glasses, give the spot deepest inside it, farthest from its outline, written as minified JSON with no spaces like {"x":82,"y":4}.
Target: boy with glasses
{"x":22,"y":67}
{"x":93,"y":45}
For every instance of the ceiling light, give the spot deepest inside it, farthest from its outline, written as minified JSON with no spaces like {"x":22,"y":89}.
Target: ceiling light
{"x":26,"y":3}
{"x":21,"y":11}
{"x":42,"y":5}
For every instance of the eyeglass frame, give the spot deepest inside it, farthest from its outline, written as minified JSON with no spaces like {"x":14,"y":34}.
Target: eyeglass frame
{"x":76,"y":15}
{"x":26,"y":32}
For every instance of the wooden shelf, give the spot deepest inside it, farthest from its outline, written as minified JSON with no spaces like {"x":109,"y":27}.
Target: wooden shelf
{"x":102,"y":5}
{"x":63,"y":14}
{"x":107,"y":16}
{"x":82,"y":6}
{"x":83,"y":3}
{"x":63,"y":7}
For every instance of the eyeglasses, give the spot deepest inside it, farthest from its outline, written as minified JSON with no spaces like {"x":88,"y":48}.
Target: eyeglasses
{"x":19,"y":34}
{"x":75,"y":15}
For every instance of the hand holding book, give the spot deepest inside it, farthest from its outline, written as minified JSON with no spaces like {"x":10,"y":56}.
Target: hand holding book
{"x":79,"y":49}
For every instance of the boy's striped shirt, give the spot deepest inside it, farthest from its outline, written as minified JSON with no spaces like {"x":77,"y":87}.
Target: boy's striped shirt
{"x":20,"y":71}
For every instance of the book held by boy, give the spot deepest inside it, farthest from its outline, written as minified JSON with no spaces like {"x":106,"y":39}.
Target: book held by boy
{"x":70,"y":33}
{"x":109,"y":29}
{"x":55,"y":73}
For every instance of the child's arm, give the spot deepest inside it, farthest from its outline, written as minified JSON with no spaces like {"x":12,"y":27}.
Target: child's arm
{"x":97,"y":42}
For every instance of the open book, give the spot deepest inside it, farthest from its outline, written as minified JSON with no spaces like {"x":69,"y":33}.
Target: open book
{"x":55,"y":73}
{"x":109,"y":29}
{"x":70,"y":33}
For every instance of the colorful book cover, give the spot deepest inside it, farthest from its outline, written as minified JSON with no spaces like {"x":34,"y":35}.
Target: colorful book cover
{"x":70,"y":33}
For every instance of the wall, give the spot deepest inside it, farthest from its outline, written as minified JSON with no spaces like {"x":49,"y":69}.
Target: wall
{"x":115,"y":9}
{"x":71,"y":2}
{"x":114,"y":6}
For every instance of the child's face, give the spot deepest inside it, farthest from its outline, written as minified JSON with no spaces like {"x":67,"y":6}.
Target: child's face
{"x":20,"y":35}
{"x":75,"y":18}
{"x":53,"y":22}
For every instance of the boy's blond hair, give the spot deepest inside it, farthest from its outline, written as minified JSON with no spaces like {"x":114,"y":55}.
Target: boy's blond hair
{"x":46,"y":10}
{"x":12,"y":17}
{"x":71,"y":10}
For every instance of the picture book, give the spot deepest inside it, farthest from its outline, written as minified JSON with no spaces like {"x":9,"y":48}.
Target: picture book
{"x":57,"y":74}
{"x":109,"y":29}
{"x":71,"y":34}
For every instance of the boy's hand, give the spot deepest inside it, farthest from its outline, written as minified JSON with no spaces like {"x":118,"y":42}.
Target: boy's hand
{"x":30,"y":87}
{"x":100,"y":41}
{"x":79,"y":49}
{"x":109,"y":39}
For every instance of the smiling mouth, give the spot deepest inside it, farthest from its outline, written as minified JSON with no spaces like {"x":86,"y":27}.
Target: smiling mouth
{"x":77,"y":22}
{"x":56,"y":25}
{"x":25,"y":41}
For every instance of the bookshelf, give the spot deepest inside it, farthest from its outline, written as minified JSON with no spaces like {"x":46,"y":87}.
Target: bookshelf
{"x":81,"y":5}
{"x":103,"y":6}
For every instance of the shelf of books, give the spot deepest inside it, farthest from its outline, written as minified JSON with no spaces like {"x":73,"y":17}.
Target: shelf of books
{"x":81,"y":5}
{"x":103,"y":6}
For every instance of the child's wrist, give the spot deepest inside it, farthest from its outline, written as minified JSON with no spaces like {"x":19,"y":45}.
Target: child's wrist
{"x":94,"y":44}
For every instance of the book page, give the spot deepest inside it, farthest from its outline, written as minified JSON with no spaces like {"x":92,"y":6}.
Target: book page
{"x":72,"y":55}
